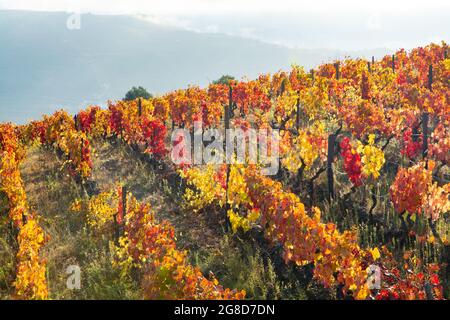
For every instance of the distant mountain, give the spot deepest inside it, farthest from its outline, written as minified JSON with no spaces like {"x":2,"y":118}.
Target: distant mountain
{"x":45,"y":66}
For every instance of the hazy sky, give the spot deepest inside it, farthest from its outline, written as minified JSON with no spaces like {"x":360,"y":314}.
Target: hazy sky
{"x":172,"y":7}
{"x":344,"y":24}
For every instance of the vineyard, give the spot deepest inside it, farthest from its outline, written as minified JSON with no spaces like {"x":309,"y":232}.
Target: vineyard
{"x":359,"y":208}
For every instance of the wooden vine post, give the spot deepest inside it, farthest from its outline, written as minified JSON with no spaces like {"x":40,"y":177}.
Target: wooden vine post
{"x":373,"y":60}
{"x":426,"y":116}
{"x":336,"y":66}
{"x":369,"y":67}
{"x":227,"y":111}
{"x":330,"y":157}
{"x":81,"y":148}
{"x":312,"y":75}
{"x":297,"y":119}
{"x":75,"y":119}
{"x":81,"y":158}
{"x":430,"y":77}
{"x":393,"y":63}
{"x":124,"y":205}
{"x":118,"y":228}
{"x":282,"y":87}
{"x":139,"y":107}
{"x":365,"y":85}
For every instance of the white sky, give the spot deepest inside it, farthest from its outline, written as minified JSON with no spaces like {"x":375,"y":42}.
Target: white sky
{"x":186,"y":7}
{"x":342,"y":24}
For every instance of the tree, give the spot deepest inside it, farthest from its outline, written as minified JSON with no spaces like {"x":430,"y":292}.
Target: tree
{"x":137,"y":92}
{"x":225,"y":79}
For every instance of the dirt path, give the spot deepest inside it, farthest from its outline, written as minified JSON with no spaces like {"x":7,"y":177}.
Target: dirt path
{"x":118,"y":163}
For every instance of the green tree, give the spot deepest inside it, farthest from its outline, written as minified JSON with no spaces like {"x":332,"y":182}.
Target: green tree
{"x":225,"y":79}
{"x":137,"y":92}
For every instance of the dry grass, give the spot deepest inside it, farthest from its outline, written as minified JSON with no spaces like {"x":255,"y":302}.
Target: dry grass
{"x":115,"y":163}
{"x":50,"y":192}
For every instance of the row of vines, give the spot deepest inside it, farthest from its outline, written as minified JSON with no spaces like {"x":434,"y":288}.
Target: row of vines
{"x":378,"y":129}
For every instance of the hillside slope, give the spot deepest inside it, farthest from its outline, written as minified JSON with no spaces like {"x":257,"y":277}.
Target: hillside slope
{"x":51,"y":192}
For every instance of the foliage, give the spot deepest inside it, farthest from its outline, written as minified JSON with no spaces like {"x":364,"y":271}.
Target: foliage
{"x":137,"y":92}
{"x":225,"y":79}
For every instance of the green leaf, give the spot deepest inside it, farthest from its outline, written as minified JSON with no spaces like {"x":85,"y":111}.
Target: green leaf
{"x":405,"y":215}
